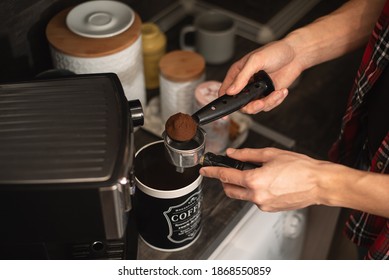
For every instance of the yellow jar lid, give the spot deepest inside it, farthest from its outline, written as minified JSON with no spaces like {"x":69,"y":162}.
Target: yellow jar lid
{"x":153,"y":39}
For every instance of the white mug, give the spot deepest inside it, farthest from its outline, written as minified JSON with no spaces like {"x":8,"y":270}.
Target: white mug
{"x":214,"y":37}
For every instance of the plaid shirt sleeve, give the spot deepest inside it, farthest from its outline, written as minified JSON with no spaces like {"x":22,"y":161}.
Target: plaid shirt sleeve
{"x":365,"y":229}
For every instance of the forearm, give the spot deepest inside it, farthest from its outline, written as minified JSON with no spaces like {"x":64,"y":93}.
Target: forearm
{"x":350,"y":188}
{"x":334,"y":35}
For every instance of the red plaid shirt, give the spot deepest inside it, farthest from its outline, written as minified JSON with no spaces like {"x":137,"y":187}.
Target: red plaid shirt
{"x":365,"y":229}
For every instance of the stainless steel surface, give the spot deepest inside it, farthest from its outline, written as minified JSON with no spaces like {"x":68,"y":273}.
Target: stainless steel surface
{"x":113,"y":211}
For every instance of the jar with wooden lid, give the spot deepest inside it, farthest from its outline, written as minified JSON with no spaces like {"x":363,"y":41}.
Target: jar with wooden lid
{"x":120,"y":54}
{"x":180,"y":73}
{"x":154,"y":47}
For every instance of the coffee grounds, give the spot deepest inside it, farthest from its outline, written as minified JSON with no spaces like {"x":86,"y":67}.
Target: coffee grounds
{"x":181,"y":127}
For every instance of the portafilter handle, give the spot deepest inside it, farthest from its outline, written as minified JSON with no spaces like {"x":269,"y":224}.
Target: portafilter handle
{"x":227,"y":104}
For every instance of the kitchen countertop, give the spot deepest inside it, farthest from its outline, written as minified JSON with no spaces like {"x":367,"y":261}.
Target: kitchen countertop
{"x":306,"y":122}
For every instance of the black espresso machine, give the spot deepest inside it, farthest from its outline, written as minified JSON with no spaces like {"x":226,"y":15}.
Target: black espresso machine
{"x":66,"y":169}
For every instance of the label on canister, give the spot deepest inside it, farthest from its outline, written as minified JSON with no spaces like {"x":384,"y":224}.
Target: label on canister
{"x":183,"y":219}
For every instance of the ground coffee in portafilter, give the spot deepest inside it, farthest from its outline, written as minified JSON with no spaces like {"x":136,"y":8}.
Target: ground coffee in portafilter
{"x":181,"y":127}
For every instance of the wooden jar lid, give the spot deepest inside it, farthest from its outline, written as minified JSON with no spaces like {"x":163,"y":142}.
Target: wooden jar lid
{"x":61,"y":38}
{"x":182,"y":66}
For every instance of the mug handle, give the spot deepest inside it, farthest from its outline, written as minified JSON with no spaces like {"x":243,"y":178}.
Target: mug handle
{"x":183,"y":34}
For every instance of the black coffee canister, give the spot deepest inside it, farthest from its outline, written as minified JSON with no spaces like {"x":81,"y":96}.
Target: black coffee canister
{"x":167,"y":203}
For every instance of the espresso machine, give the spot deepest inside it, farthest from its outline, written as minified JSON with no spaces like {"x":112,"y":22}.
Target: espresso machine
{"x":66,"y":169}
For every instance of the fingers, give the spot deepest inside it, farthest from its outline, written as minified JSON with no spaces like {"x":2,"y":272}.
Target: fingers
{"x":235,"y":182}
{"x":239,"y":75}
{"x":264,"y":155}
{"x":240,"y":81}
{"x":266,"y":104}
{"x":228,"y":86}
{"x":225,"y":175}
{"x":273,"y":187}
{"x":237,"y":192}
{"x":231,"y":86}
{"x":229,"y":78}
{"x":254,"y":155}
{"x":232,"y":179}
{"x":247,"y":67}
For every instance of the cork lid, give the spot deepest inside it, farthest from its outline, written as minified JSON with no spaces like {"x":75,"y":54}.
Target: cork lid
{"x":182,"y":66}
{"x":61,"y":38}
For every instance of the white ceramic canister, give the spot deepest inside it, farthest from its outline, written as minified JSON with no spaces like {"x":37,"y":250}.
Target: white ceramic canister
{"x":167,"y":203}
{"x":120,"y":54}
{"x":217,"y":132}
{"x":180,"y":73}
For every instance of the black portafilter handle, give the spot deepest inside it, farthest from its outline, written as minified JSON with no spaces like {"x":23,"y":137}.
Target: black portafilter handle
{"x":226,"y":104}
{"x":210,"y":159}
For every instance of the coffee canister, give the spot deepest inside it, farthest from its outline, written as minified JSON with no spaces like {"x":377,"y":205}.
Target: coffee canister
{"x":180,"y":73}
{"x":167,"y":203}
